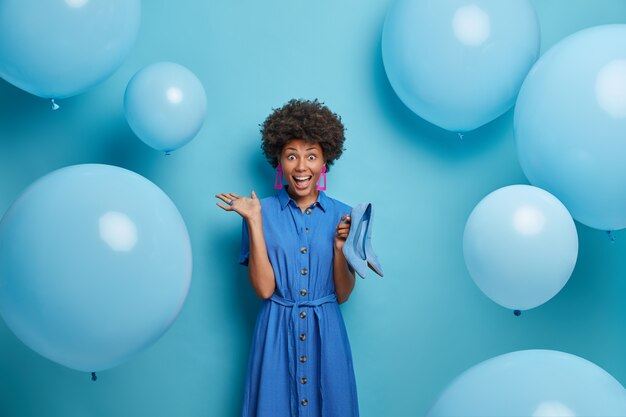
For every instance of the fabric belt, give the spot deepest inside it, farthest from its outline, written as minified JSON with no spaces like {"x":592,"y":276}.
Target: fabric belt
{"x":293,"y":340}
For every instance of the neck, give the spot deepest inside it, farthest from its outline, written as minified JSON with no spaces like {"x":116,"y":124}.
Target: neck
{"x":304,"y":201}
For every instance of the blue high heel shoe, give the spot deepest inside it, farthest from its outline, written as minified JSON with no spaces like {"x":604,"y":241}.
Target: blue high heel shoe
{"x":358,"y":246}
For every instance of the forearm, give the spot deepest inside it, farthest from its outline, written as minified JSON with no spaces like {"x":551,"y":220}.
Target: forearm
{"x":343,"y":277}
{"x":260,"y":269}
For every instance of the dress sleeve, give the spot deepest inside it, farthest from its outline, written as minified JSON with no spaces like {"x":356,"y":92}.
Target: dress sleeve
{"x":244,"y":255}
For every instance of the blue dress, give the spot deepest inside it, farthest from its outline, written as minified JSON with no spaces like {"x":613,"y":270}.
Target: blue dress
{"x":300,"y":363}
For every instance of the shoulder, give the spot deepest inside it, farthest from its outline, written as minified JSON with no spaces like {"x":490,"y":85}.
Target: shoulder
{"x":338,"y":206}
{"x":266,"y":201}
{"x":270,"y":203}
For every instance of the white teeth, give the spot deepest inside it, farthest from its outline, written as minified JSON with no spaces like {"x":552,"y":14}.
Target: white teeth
{"x":302,"y":178}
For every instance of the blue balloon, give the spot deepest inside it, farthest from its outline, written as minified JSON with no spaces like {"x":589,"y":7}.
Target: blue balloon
{"x":95,"y":265}
{"x":459,"y":64}
{"x":533,"y":383}
{"x":57,"y":49}
{"x":165,"y":105}
{"x":520,"y":246}
{"x":570,"y":125}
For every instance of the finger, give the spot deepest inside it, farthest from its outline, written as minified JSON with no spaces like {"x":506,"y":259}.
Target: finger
{"x":234,"y":196}
{"x":227,"y":198}
{"x":222,"y":206}
{"x":224,"y":197}
{"x":253,"y":194}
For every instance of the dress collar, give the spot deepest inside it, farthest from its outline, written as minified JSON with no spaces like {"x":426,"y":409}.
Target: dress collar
{"x":283,"y":197}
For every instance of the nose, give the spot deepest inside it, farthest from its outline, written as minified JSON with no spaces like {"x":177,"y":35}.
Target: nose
{"x":301,"y":166}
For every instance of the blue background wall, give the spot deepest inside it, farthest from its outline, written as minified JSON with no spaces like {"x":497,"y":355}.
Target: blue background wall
{"x":412,"y":331}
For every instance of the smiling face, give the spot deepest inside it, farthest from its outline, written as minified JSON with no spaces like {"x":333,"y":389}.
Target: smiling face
{"x":302,"y":164}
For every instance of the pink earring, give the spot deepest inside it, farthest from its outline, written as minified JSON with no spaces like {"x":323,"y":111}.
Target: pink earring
{"x":322,"y":179}
{"x":278,"y":182}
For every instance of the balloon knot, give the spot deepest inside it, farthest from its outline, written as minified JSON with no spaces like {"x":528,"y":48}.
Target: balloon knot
{"x":517,"y":313}
{"x":611,"y":236}
{"x":93,"y":376}
{"x":460,"y":135}
{"x":54,"y":105}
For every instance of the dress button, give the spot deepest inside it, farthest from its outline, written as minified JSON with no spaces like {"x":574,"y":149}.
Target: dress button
{"x":304,"y":402}
{"x":307,"y":211}
{"x":303,"y":314}
{"x":306,"y":230}
{"x":302,"y":337}
{"x":302,"y":359}
{"x":303,"y":292}
{"x":304,"y":271}
{"x":303,"y":380}
{"x":303,"y":250}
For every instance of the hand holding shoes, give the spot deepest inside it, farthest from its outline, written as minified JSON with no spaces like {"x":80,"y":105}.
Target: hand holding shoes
{"x":358,"y":245}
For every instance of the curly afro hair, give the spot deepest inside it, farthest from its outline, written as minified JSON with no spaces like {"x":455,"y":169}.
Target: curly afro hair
{"x":303,"y":119}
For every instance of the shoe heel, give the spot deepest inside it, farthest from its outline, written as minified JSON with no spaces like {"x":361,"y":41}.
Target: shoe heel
{"x":370,"y":256}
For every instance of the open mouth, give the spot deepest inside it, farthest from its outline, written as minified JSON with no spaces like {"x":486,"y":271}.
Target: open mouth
{"x":302,"y":181}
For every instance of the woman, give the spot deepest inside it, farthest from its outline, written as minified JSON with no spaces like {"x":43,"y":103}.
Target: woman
{"x":300,"y":363}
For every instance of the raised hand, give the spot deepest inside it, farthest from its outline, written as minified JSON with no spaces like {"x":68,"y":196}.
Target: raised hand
{"x":248,"y":208}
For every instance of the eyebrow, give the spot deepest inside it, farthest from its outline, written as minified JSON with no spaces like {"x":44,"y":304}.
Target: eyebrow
{"x":307,"y":149}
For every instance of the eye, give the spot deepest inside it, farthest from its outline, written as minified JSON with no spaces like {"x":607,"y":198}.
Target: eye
{"x":312,"y":157}
{"x":291,"y":157}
